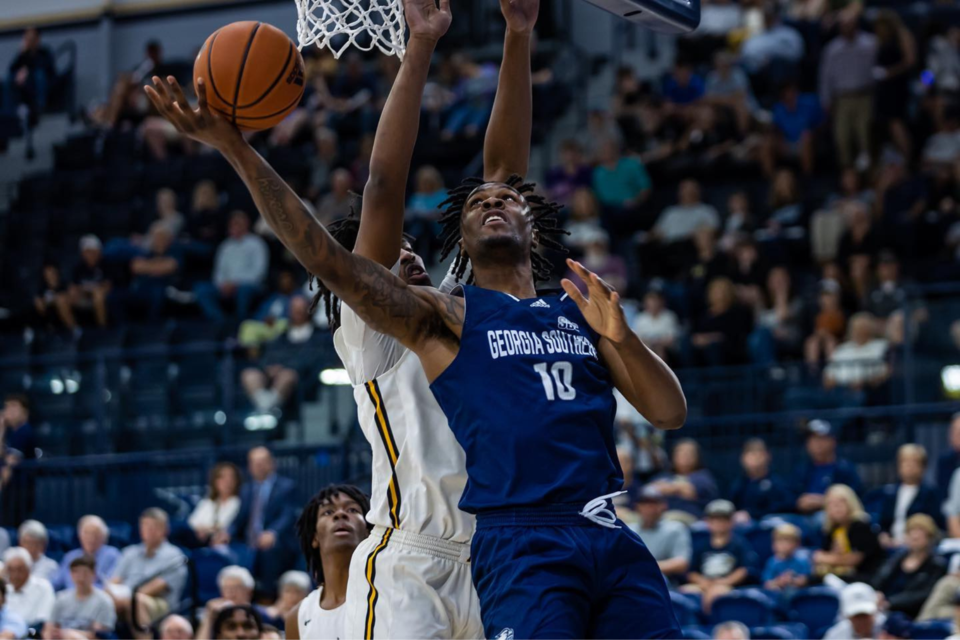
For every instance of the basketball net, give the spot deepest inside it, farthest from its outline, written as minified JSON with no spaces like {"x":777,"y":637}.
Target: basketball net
{"x":340,"y":24}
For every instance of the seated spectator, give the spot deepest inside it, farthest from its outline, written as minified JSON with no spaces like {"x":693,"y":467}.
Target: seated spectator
{"x":779,"y":315}
{"x":271,"y":386}
{"x":667,"y":540}
{"x":719,"y":336}
{"x":773,"y":51}
{"x":708,"y":265}
{"x":850,"y":549}
{"x":237,"y":622}
{"x":153,"y":273}
{"x":205,"y":224}
{"x":789,"y":567}
{"x":11,"y":624}
{"x":860,"y":363}
{"x":861,"y":615}
{"x":731,"y":630}
{"x":758,"y":493}
{"x":679,"y":222}
{"x":911,"y":496}
{"x":948,"y":462}
{"x":573,"y":173}
{"x":89,"y":286}
{"x":340,"y":201}
{"x":738,"y":221}
{"x":901,"y":200}
{"x":264,"y":523}
{"x":19,"y":444}
{"x":272,"y":318}
{"x":52,"y":304}
{"x":584,"y":219}
{"x":29,"y":76}
{"x":597,"y":257}
{"x":829,"y":224}
{"x":176,"y":627}
{"x":154,"y":567}
{"x":796,"y":117}
{"x":787,"y":218}
{"x":293,"y":586}
{"x":656,"y":325}
{"x":822,"y":468}
{"x":689,"y":486}
{"x":682,"y":86}
{"x":214,"y":514}
{"x":239,"y":271}
{"x":724,"y":561}
{"x":29,"y":596}
{"x":622,"y":185}
{"x":167,"y":211}
{"x":83,"y":610}
{"x":942,"y":150}
{"x":748,"y":270}
{"x":33,"y":536}
{"x":890,"y":294}
{"x":236,"y":588}
{"x":93,"y":534}
{"x":829,"y":325}
{"x":860,"y":237}
{"x":729,"y":88}
{"x":907,"y":578}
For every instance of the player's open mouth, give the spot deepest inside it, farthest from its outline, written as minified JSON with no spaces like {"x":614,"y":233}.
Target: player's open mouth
{"x":414,"y":272}
{"x":491,"y":218}
{"x":343,"y":532}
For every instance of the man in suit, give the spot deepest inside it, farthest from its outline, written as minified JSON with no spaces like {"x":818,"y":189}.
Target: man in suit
{"x":908,"y":497}
{"x":948,"y":461}
{"x":268,"y":509}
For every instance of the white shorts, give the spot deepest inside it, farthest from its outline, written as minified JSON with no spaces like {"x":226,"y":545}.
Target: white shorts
{"x":405,"y":585}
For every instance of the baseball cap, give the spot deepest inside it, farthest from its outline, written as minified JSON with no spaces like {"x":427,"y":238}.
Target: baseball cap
{"x":820,"y":428}
{"x":650,"y":494}
{"x":90,"y":241}
{"x":719,"y":509}
{"x":857,"y":599}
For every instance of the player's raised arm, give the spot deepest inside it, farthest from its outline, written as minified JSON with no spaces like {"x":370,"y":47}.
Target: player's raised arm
{"x":384,"y":197}
{"x":638,"y":373}
{"x":506,"y":148}
{"x":386,"y":303}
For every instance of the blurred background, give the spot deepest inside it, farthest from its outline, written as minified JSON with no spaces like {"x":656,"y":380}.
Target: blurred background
{"x":776,"y":195}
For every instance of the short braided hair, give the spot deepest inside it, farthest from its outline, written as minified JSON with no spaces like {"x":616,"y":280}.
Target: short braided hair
{"x":545,"y":222}
{"x":344,"y":231}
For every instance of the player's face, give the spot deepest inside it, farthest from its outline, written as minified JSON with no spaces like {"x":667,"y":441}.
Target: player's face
{"x":340,"y":525}
{"x":495,"y":215}
{"x":412,"y":269}
{"x":239,"y":626}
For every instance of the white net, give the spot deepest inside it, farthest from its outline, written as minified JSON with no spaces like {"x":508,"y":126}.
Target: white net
{"x":340,"y":24}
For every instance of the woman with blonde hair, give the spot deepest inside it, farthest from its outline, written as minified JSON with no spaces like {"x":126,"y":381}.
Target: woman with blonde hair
{"x":850,"y":547}
{"x":909,"y":576}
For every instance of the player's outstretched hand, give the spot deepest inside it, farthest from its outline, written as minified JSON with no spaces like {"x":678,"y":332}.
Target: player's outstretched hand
{"x":602,"y":309}
{"x":427,"y":20}
{"x":521,"y":15}
{"x":200,"y":124}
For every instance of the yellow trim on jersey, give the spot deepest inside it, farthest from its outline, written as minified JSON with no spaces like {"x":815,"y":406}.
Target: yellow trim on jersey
{"x":371,"y":573}
{"x":390,"y":445}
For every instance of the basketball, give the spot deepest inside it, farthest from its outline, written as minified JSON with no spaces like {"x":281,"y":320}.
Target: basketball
{"x":253,"y":73}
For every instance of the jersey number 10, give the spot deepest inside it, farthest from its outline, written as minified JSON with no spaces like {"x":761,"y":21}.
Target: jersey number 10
{"x":562,"y":376}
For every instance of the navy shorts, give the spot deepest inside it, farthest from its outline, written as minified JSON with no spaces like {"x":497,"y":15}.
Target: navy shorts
{"x":550,"y":573}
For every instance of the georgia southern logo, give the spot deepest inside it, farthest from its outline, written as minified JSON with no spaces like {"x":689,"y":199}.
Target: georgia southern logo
{"x":506,"y":634}
{"x":563,"y":323}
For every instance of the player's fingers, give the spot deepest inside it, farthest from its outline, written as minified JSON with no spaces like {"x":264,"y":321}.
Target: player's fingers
{"x":445,"y":6}
{"x":161,"y":88}
{"x":202,"y":96}
{"x":600,"y":285}
{"x":178,"y":96}
{"x":573,"y":292}
{"x":579,"y":269}
{"x":154,"y":98}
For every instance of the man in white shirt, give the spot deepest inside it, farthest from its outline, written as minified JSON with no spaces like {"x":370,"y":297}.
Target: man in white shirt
{"x":656,"y":325}
{"x":680,"y":221}
{"x":28,"y":596}
{"x":861,"y":361}
{"x":668,"y":540}
{"x":240,"y":268}
{"x":861,"y":616}
{"x":33,"y":537}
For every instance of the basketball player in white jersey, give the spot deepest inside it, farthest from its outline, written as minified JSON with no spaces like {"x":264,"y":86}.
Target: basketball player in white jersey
{"x":411,"y":578}
{"x":330,"y":528}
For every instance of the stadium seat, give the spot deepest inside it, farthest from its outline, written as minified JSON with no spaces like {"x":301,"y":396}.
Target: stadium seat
{"x":794,"y":631}
{"x":692,"y":633}
{"x":686,"y":609}
{"x":207,"y":563}
{"x":931,"y":630}
{"x":817,"y":608}
{"x":750,"y":606}
{"x":761,"y":539}
{"x":120,"y":533}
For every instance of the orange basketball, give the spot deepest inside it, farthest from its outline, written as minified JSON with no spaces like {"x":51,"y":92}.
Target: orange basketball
{"x":253,"y":73}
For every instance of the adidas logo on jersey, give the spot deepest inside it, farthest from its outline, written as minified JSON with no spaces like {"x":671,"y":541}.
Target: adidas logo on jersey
{"x":563,"y":323}
{"x":540,"y":304}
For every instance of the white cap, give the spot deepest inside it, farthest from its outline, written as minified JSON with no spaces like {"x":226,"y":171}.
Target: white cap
{"x":90,"y":241}
{"x":858,"y":598}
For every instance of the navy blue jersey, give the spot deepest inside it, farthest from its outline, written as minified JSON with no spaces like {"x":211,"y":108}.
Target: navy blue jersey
{"x":530,"y":403}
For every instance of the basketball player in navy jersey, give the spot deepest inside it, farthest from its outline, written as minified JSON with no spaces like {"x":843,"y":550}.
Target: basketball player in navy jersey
{"x":526,"y":383}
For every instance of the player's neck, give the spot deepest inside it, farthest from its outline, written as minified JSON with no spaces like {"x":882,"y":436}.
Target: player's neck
{"x":516,"y":280}
{"x":335,"y":571}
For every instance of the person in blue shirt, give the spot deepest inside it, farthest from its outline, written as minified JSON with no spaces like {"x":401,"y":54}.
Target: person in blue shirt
{"x":757,"y":492}
{"x":822,"y":469}
{"x":789,"y":567}
{"x":949,"y":460}
{"x":796,"y":117}
{"x":93,"y":534}
{"x":683,"y":86}
{"x":11,"y":624}
{"x":722,"y":562}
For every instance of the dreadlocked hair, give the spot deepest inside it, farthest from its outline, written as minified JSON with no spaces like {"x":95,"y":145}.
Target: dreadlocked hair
{"x":545,"y":223}
{"x":307,"y":523}
{"x":344,"y":231}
